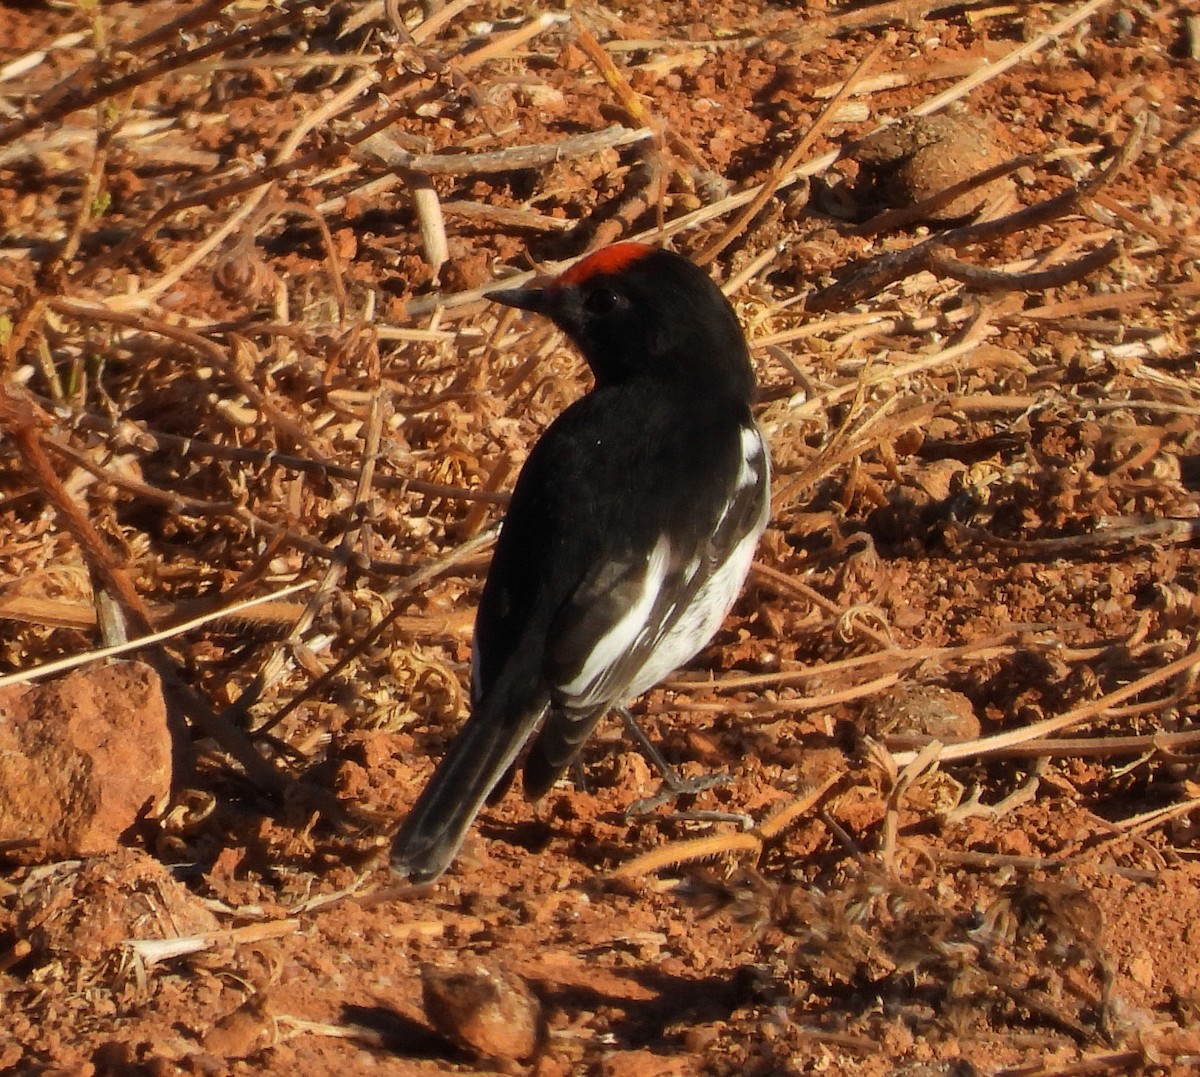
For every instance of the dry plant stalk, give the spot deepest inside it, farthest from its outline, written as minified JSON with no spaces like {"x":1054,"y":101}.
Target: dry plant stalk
{"x":152,"y":951}
{"x":232,"y":611}
{"x":632,"y":103}
{"x":747,"y":841}
{"x":1188,"y":665}
{"x":24,"y":423}
{"x":83,"y":89}
{"x":412,"y":583}
{"x":990,"y":279}
{"x":1017,"y":56}
{"x":511,"y":159}
{"x":784,"y":168}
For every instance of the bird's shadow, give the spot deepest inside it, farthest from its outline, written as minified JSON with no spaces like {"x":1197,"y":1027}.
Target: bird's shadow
{"x":389,"y":1031}
{"x":644,"y":1022}
{"x":635,"y":1023}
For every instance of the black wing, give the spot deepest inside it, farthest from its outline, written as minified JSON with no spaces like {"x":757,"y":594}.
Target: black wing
{"x":635,"y":619}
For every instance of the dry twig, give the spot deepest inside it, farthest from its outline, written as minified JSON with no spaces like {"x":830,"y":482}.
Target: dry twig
{"x":745,"y":841}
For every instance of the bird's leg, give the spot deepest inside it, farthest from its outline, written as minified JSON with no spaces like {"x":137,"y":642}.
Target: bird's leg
{"x":672,"y":784}
{"x":579,"y":777}
{"x":668,"y":773}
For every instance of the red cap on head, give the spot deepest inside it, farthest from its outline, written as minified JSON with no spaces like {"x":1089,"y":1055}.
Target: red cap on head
{"x":606,"y":260}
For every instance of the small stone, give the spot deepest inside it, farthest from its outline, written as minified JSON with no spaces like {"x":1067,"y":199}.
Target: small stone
{"x":925,"y":710}
{"x":489,"y":1011}
{"x":642,"y":1063}
{"x":81,"y":759}
{"x":1141,"y":970}
{"x":242,"y":1032}
{"x":1120,"y":26}
{"x":919,"y":156}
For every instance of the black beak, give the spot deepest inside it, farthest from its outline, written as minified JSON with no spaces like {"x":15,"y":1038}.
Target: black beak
{"x":538,"y":298}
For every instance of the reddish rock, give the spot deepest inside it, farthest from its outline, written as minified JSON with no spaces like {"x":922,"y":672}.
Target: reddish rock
{"x":643,"y":1063}
{"x":919,"y":156}
{"x":80,"y":759}
{"x":489,"y":1011}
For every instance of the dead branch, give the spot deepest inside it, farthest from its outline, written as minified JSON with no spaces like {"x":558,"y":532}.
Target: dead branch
{"x":507,"y":160}
{"x":983,"y":746}
{"x":768,"y":188}
{"x":152,"y":440}
{"x":943,"y":262}
{"x":69,"y":96}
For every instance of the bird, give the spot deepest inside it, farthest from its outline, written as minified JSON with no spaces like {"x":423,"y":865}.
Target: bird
{"x":631,"y":528}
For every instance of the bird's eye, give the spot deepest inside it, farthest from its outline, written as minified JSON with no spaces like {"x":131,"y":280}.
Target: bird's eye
{"x":601,"y":301}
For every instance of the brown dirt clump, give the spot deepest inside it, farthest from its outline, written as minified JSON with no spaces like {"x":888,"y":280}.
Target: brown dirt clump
{"x":920,"y":156}
{"x":80,"y":913}
{"x":490,"y":1012}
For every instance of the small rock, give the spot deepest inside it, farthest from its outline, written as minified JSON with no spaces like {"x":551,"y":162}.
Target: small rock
{"x":242,"y":1032}
{"x":922,"y":155}
{"x":80,"y":759}
{"x":489,"y":1011}
{"x":642,"y":1063}
{"x":924,"y":710}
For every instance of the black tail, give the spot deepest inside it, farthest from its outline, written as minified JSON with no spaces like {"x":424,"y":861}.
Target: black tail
{"x":556,"y":747}
{"x":478,"y":759}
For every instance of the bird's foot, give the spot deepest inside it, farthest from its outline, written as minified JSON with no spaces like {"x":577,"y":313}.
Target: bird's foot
{"x":673,"y":786}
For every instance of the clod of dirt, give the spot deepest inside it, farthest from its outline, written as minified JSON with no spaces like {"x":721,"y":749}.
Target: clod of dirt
{"x":78,"y":913}
{"x":922,"y":155}
{"x":643,"y":1063}
{"x":924,"y":710}
{"x":489,"y":1011}
{"x":80,"y":760}
{"x":242,"y":1032}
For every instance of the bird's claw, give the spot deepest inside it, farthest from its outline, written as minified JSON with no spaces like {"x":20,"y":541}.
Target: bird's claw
{"x":673,"y":787}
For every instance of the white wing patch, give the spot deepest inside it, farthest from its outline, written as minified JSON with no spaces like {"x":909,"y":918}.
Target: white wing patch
{"x":622,"y":636}
{"x":667,"y":633}
{"x":699,"y":621}
{"x":753,"y":457}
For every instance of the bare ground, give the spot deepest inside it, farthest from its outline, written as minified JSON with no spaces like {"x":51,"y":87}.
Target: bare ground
{"x":244,"y":347}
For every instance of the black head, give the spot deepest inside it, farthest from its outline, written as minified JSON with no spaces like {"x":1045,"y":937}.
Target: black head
{"x":636,"y":311}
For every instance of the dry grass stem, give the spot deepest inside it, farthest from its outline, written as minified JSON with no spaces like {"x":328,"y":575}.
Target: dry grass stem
{"x":748,"y":841}
{"x":1019,"y":55}
{"x":152,"y":951}
{"x":1187,"y":665}
{"x":941,"y":261}
{"x":174,"y":632}
{"x":508,"y":160}
{"x":785,"y":167}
